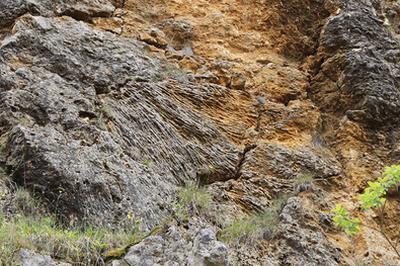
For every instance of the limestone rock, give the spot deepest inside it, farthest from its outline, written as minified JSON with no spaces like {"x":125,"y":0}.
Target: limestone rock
{"x":300,"y":242}
{"x":101,"y":125}
{"x":82,"y":10}
{"x":87,"y":109}
{"x":359,"y":76}
{"x":28,"y":258}
{"x":174,"y":249}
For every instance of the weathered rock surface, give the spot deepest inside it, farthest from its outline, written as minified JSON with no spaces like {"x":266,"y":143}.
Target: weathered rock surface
{"x":92,"y":125}
{"x":101,"y":125}
{"x":28,"y":258}
{"x":359,"y":75}
{"x":285,"y":163}
{"x":173,"y":248}
{"x":81,"y":10}
{"x":301,"y":242}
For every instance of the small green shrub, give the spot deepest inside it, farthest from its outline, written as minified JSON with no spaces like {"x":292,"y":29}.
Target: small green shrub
{"x":258,"y":225}
{"x":304,"y":178}
{"x":191,"y":198}
{"x":194,"y":196}
{"x":304,"y":182}
{"x":238,"y":229}
{"x":106,"y":110}
{"x":269,"y":219}
{"x":252,"y":227}
{"x":343,"y":219}
{"x":374,"y":197}
{"x":279,"y":202}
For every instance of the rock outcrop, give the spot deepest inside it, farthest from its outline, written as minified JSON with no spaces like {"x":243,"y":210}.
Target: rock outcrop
{"x":93,"y":124}
{"x":108,"y":107}
{"x":358,"y":75}
{"x":174,"y":249}
{"x":78,"y":9}
{"x":29,"y":258}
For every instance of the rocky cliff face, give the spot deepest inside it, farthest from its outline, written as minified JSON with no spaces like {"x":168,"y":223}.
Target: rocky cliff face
{"x":108,"y":107}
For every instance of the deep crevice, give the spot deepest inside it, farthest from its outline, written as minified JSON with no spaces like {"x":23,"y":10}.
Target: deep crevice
{"x":242,"y":159}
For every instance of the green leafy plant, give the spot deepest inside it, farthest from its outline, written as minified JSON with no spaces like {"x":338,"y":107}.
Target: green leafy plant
{"x":374,"y":197}
{"x":343,"y":219}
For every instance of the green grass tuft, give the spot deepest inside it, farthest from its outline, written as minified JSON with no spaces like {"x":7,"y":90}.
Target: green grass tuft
{"x":256,"y":226}
{"x":305,"y":178}
{"x":193,"y":195}
{"x":43,"y":235}
{"x":30,"y":228}
{"x":252,"y":227}
{"x":191,"y":199}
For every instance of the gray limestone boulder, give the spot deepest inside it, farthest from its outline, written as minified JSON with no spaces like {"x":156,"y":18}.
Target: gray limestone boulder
{"x":78,"y":9}
{"x":177,"y":247}
{"x":29,"y":258}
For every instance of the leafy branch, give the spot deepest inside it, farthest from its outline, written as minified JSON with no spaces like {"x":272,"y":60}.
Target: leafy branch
{"x":343,"y":219}
{"x":374,"y":197}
